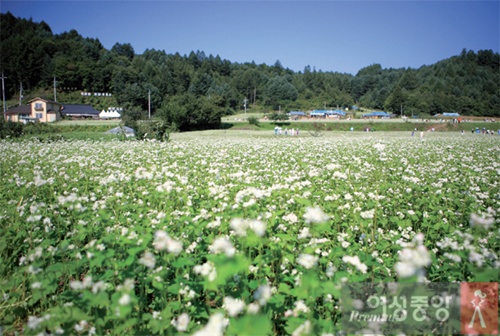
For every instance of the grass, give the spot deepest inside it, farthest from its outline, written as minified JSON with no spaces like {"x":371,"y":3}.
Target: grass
{"x":111,"y":123}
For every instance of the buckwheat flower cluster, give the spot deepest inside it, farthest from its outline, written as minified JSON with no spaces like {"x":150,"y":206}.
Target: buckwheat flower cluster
{"x":207,"y":269}
{"x":233,"y":306}
{"x":181,"y":323}
{"x":315,"y":215}
{"x":262,"y":294}
{"x":34,"y":322}
{"x":307,"y":261}
{"x":291,"y":218}
{"x":164,"y":242}
{"x":187,"y":292}
{"x":215,"y":326}
{"x":303,"y":329}
{"x":300,"y":307}
{"x":369,"y":214}
{"x":485,"y":221}
{"x":148,"y":259}
{"x":413,"y":259}
{"x":355,"y":262}
{"x":304,"y":233}
{"x":240,"y":226}
{"x":222,"y":245}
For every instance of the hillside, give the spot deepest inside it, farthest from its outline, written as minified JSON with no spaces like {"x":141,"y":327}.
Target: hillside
{"x":181,"y":85}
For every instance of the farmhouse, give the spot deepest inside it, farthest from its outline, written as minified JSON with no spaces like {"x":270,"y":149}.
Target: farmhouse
{"x":37,"y":110}
{"x":43,"y":110}
{"x":79,"y":111}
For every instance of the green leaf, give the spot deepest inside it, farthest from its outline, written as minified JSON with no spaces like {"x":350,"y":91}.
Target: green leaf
{"x":249,"y":325}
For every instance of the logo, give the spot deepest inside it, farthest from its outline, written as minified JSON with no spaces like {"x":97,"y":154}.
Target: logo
{"x":467,"y":308}
{"x":479,"y":308}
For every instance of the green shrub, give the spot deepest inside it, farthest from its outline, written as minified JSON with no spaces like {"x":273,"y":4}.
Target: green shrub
{"x":9,"y":129}
{"x":152,"y":129}
{"x":253,"y":121}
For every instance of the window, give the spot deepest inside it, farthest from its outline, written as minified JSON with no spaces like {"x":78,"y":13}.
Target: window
{"x":39,"y":115}
{"x":38,"y":106}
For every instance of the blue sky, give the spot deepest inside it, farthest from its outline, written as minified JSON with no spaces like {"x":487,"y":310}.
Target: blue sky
{"x":340,"y":36}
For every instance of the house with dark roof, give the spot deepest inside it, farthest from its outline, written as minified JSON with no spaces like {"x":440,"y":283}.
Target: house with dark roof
{"x":43,"y":110}
{"x":79,"y":111}
{"x":37,"y":110}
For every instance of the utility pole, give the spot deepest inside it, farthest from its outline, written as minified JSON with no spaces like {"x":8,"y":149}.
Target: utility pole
{"x":55,"y":95}
{"x":3,"y":95}
{"x":21,"y":94}
{"x":245,"y":104}
{"x":149,"y":104}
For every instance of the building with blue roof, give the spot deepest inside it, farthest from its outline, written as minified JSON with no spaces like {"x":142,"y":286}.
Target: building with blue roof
{"x":377,"y":114}
{"x":324,"y":113}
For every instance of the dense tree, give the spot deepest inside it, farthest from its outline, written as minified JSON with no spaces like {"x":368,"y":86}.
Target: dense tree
{"x":124,"y":49}
{"x":279,"y":91}
{"x":191,"y":91}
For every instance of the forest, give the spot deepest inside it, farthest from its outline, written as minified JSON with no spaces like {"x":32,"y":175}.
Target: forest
{"x":195,"y":90}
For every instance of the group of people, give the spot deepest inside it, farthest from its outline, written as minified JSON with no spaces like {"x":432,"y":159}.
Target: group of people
{"x":483,"y":131}
{"x":421,"y":133}
{"x":280,"y":131}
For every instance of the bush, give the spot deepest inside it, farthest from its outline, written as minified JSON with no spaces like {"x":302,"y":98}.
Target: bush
{"x":39,"y":128}
{"x":152,"y":129}
{"x":253,"y":121}
{"x":10,"y":129}
{"x":278,"y":116}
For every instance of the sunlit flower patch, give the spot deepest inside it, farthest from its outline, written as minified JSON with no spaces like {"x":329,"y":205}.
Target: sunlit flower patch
{"x":211,"y":235}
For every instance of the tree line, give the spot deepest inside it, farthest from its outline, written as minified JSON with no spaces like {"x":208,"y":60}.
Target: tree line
{"x":193,"y":91}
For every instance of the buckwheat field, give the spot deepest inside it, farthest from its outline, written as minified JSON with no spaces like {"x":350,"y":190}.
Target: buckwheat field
{"x":215,"y":235}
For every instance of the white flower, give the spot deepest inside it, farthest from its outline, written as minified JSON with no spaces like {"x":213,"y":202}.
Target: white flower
{"x":181,"y":322}
{"x":239,"y":225}
{"x":262,"y":294}
{"x":215,"y":326}
{"x":81,"y":326}
{"x":127,"y":286}
{"x":452,"y":257}
{"x":98,"y":287}
{"x":124,"y":300}
{"x":304,"y":233}
{"x":300,"y":307}
{"x":379,"y":146}
{"x":148,"y":259}
{"x":36,"y":285}
{"x":258,"y":227}
{"x":485,"y":223}
{"x":368,"y":214}
{"x":303,"y":329}
{"x":413,"y":259}
{"x":476,"y":258}
{"x":253,"y":308}
{"x":315,"y":215}
{"x":404,"y":269}
{"x":161,"y":240}
{"x":307,"y":261}
{"x":207,"y":269}
{"x":291,"y":218}
{"x":164,"y":242}
{"x":233,"y":306}
{"x":39,"y":181}
{"x":222,"y":244}
{"x":355,"y":262}
{"x":34,"y":321}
